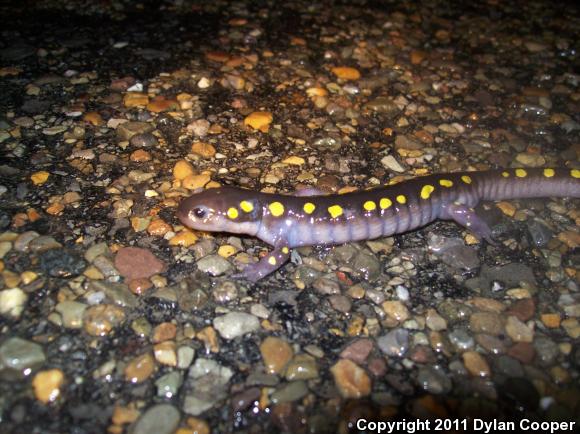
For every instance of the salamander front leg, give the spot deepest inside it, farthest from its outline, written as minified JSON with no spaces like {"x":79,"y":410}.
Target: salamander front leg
{"x":466,"y":217}
{"x":268,"y":264}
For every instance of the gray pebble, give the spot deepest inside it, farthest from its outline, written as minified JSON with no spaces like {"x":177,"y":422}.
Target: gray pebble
{"x":433,"y":379}
{"x":127,"y":130}
{"x":185,"y":355}
{"x":144,"y":140}
{"x":118,"y":293}
{"x":508,"y":366}
{"x":540,"y":234}
{"x":375,"y":296}
{"x":453,"y":311}
{"x":367,"y":265}
{"x":383,"y":104}
{"x":42,"y":243}
{"x":61,"y":263}
{"x":326,"y":286}
{"x":458,"y":368}
{"x":236,"y":324}
{"x":208,"y":385}
{"x":159,"y":419}
{"x":96,"y":250}
{"x":71,"y":313}
{"x":394,"y":343}
{"x":340,"y":303}
{"x":261,"y":379}
{"x":225,"y":291}
{"x":461,"y":258}
{"x":18,"y":355}
{"x":199,"y":127}
{"x":105,"y":266}
{"x":168,"y":385}
{"x":546,"y":350}
{"x":203,"y":248}
{"x":461,"y":339}
{"x":327,"y":143}
{"x":214,"y":265}
{"x":491,"y":344}
{"x":21,"y":243}
{"x":402,"y":293}
{"x":290,"y":392}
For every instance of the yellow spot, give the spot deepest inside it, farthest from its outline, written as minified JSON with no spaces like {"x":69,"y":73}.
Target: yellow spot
{"x":285,"y":250}
{"x":575,"y":173}
{"x":335,"y":211}
{"x":548,"y":173}
{"x":369,"y":205}
{"x":385,"y":203}
{"x":401,"y":199}
{"x":521,"y":173}
{"x":309,"y":207}
{"x":272,"y":260}
{"x":247,"y":206}
{"x":505,"y":174}
{"x":276,"y":208}
{"x":232,"y":213}
{"x":446,"y":183}
{"x":426,"y":191}
{"x":466,"y":179}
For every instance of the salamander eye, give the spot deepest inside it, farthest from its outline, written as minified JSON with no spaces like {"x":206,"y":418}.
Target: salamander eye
{"x":199,"y":212}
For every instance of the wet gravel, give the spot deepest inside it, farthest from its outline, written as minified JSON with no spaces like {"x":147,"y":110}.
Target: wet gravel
{"x":115,"y":318}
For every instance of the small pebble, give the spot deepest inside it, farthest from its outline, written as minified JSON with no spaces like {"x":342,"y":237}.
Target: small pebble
{"x":301,"y":367}
{"x":236,"y":324}
{"x":135,"y":263}
{"x":20,"y":356}
{"x":486,"y":322}
{"x":204,"y":150}
{"x":100,"y":320}
{"x":140,"y":368}
{"x":259,"y":121}
{"x":518,"y":331}
{"x":158,"y":419}
{"x":165,"y":353}
{"x":434,"y":380}
{"x":357,"y":351}
{"x":351,"y":380}
{"x":476,"y":364}
{"x":346,"y":73}
{"x":72,"y":313}
{"x":214,"y":265}
{"x":276,"y":354}
{"x":289,"y":392}
{"x":395,"y":343}
{"x":47,"y":385}
{"x":12,"y":302}
{"x":168,"y":385}
{"x":396,"y":310}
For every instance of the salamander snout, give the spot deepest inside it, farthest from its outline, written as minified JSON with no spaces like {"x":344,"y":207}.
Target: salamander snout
{"x":225,"y":209}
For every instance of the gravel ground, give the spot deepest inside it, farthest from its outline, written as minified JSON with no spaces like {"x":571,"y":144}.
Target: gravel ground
{"x":115,"y":318}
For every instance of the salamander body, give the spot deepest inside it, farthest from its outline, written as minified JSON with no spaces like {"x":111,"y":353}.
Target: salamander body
{"x":286,"y":222}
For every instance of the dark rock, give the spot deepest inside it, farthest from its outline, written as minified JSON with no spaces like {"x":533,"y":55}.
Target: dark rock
{"x":61,"y":263}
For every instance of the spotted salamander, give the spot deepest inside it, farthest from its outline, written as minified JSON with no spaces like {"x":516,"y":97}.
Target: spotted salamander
{"x":286,"y":222}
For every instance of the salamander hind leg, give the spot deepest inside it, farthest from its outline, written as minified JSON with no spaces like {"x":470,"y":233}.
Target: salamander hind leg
{"x":467,"y":217}
{"x":268,"y":264}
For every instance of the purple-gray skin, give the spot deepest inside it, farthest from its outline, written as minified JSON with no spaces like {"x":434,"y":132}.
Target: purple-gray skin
{"x":286,"y":222}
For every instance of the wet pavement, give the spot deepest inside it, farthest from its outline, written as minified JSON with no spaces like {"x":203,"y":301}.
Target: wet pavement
{"x":116,"y":318}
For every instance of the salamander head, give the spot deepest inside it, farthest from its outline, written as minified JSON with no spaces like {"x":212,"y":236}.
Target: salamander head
{"x":224,"y":209}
